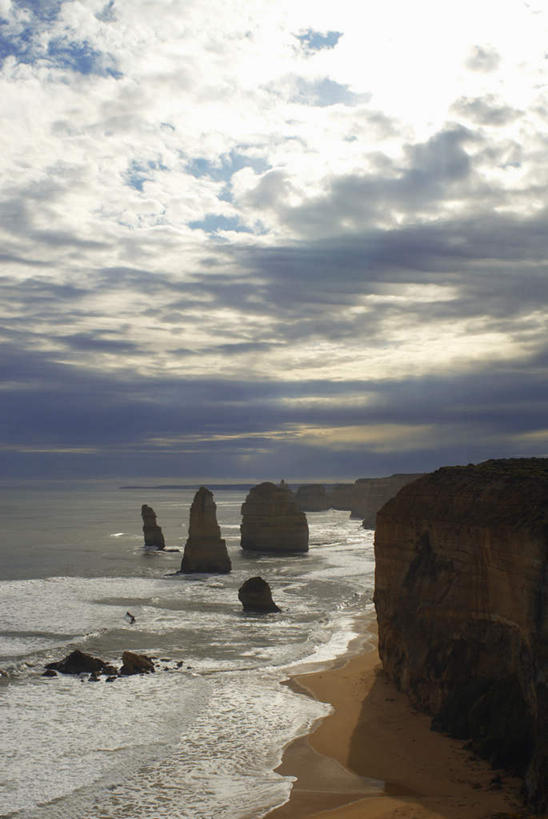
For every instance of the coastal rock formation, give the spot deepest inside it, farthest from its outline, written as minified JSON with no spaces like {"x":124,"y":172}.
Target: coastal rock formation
{"x":371,"y":494}
{"x":135,"y":664}
{"x":312,"y":497}
{"x":362,"y":499}
{"x":78,"y":662}
{"x":255,"y":595}
{"x":272,"y":521}
{"x":154,"y":538}
{"x":462,"y":606}
{"x":342,"y":496}
{"x":205,"y":550}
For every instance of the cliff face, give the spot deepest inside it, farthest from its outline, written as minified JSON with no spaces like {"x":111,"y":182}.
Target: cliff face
{"x":272,"y":521}
{"x":362,"y":499}
{"x":372,"y":493}
{"x":205,"y":550}
{"x":461,"y":597}
{"x":312,"y":497}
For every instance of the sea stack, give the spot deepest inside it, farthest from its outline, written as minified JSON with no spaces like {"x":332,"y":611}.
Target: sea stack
{"x":154,"y":538}
{"x":255,"y":595}
{"x":461,"y":592}
{"x":272,"y":521}
{"x":205,"y":550}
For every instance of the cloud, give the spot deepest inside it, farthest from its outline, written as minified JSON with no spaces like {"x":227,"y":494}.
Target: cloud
{"x":483,"y":58}
{"x":228,"y":246}
{"x":485,"y":110}
{"x":324,"y":92}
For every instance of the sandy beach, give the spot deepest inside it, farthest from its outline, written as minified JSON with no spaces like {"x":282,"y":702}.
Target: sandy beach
{"x":375,"y":757}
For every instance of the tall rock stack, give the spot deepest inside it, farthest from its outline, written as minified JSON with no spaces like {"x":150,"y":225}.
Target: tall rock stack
{"x":205,"y":550}
{"x":272,"y":521}
{"x":154,"y":538}
{"x":461,"y":592}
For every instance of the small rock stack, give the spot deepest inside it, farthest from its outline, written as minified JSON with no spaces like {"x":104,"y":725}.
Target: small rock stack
{"x":154,"y":538}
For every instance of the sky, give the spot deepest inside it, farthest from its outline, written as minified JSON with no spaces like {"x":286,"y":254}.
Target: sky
{"x":254,"y":239}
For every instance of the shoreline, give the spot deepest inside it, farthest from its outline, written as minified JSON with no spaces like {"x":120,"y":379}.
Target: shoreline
{"x":375,"y":757}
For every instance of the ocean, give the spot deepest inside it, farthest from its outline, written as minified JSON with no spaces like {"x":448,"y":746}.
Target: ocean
{"x":200,"y":739}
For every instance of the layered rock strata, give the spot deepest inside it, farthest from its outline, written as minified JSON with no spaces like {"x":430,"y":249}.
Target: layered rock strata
{"x":154,"y":538}
{"x":272,"y":521}
{"x":462,"y":606}
{"x":255,"y":595}
{"x":205,"y":550}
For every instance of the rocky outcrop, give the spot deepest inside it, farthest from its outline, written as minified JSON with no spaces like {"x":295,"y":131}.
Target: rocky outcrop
{"x":462,"y":606}
{"x":154,"y":538}
{"x":205,"y":550}
{"x":272,"y":521}
{"x":362,"y":499}
{"x":370,"y":494}
{"x":78,"y":662}
{"x":135,"y":664}
{"x":312,"y":497}
{"x":255,"y":595}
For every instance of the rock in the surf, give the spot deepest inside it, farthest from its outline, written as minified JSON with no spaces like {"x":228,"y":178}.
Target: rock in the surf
{"x":272,"y":521}
{"x":154,"y":538}
{"x":255,"y":595}
{"x":78,"y":662}
{"x":135,"y":664}
{"x":205,"y":550}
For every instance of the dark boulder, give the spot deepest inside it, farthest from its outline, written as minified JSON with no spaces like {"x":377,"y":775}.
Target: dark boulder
{"x":135,"y":664}
{"x":255,"y":595}
{"x":78,"y":662}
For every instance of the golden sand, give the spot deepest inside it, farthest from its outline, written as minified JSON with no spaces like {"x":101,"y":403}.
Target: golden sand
{"x":375,"y":757}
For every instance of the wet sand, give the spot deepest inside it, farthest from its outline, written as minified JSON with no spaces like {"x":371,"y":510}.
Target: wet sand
{"x":375,"y":757}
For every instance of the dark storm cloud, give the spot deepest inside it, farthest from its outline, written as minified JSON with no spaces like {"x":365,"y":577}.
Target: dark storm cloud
{"x":149,"y":426}
{"x":434,"y":172}
{"x":96,"y":342}
{"x":495,"y":262}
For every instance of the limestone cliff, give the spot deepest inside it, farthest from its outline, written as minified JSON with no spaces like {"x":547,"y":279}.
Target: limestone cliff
{"x":372,"y":493}
{"x":362,"y":499}
{"x":205,"y":550}
{"x":461,"y":597}
{"x":272,"y":521}
{"x":154,"y":538}
{"x":312,"y":497}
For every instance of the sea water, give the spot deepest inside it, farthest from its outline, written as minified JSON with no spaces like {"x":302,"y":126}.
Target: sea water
{"x":200,"y":739}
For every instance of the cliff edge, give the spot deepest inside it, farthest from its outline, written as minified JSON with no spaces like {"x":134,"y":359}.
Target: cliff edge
{"x":461,"y":592}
